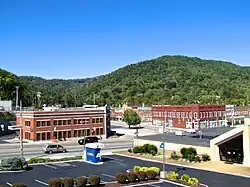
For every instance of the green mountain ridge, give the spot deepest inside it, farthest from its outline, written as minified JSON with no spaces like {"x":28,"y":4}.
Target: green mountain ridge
{"x":164,"y":80}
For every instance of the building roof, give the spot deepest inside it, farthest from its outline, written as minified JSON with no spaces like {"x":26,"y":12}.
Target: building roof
{"x":208,"y":134}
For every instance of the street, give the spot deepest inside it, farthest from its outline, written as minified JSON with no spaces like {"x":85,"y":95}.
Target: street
{"x":74,"y":149}
{"x":40,"y":174}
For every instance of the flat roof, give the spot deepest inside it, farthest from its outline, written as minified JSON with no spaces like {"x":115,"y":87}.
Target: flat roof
{"x":208,"y":134}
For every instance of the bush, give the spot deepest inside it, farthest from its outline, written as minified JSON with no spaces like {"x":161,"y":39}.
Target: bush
{"x":24,"y":163}
{"x":54,"y":182}
{"x":191,"y":153}
{"x":137,"y":149}
{"x":174,"y":156}
{"x":151,"y":174}
{"x":184,"y":152}
{"x":129,"y":150}
{"x":137,"y":168}
{"x":19,"y":185}
{"x":121,"y":178}
{"x":155,"y":169}
{"x":144,"y":169}
{"x":172,"y":175}
{"x":81,"y":181}
{"x":185,"y":178}
{"x":141,"y":175}
{"x":132,"y":176}
{"x":12,"y":164}
{"x":153,"y":152}
{"x":197,"y":158}
{"x":35,"y":160}
{"x":145,"y":148}
{"x":205,"y":157}
{"x":67,"y":182}
{"x":94,"y":180}
{"x":193,"y":181}
{"x":152,"y":149}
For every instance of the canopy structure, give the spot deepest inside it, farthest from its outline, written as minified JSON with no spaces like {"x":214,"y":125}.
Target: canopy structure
{"x":95,"y":145}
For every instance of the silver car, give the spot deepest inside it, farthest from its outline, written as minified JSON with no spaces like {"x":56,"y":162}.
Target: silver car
{"x":54,"y":148}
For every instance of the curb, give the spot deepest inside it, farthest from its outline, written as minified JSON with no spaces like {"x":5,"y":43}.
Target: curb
{"x":35,"y":164}
{"x":191,"y":167}
{"x":144,"y":184}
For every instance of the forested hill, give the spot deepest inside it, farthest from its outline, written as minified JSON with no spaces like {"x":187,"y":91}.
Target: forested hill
{"x":165,"y":80}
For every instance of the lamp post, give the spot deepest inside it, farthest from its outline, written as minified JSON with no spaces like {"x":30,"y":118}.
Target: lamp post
{"x":17,"y":87}
{"x":21,"y":130}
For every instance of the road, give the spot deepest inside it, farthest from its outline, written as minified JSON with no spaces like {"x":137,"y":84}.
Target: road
{"x":74,"y":149}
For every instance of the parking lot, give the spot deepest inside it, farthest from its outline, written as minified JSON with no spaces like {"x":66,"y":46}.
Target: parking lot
{"x":40,"y":174}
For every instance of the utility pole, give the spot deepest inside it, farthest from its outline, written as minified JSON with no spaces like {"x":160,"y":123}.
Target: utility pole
{"x":94,"y":98}
{"x":17,"y":87}
{"x":163,"y":138}
{"x":21,"y":130}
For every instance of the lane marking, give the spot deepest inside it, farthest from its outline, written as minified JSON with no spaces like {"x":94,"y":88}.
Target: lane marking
{"x":49,"y":166}
{"x":111,"y":176}
{"x":73,"y":165}
{"x":153,"y":185}
{"x":145,"y":184}
{"x":8,"y":184}
{"x":41,"y":182}
{"x":114,"y":158}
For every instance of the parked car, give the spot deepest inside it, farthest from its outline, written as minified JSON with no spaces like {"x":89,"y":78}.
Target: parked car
{"x":89,"y":139}
{"x":54,"y":148}
{"x":179,"y":133}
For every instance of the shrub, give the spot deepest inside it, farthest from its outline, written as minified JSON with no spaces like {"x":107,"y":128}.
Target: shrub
{"x":185,"y":177}
{"x":54,"y":182}
{"x":129,"y":150}
{"x":34,"y":160}
{"x":191,"y":153}
{"x":172,"y":175}
{"x":144,"y":169}
{"x":94,"y":180}
{"x":145,"y":148}
{"x":132,"y":176}
{"x":193,"y":181}
{"x":152,"y":149}
{"x":121,"y":178}
{"x":19,"y":185}
{"x":174,"y":156}
{"x":11,"y":164}
{"x":155,"y":169}
{"x":141,"y":175}
{"x":151,"y":174}
{"x":184,"y":152}
{"x":81,"y":181}
{"x":67,"y":182}
{"x":137,"y":149}
{"x":205,"y":157}
{"x":153,"y":152}
{"x":197,"y":158}
{"x":24,"y":163}
{"x":137,"y":168}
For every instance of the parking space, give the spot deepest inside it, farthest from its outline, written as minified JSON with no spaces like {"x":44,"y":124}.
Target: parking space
{"x":40,"y":174}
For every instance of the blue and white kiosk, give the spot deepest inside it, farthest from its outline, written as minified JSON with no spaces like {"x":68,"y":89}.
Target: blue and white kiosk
{"x":92,"y":153}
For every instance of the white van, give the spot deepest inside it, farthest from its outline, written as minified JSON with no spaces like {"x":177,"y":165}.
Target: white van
{"x":179,"y":133}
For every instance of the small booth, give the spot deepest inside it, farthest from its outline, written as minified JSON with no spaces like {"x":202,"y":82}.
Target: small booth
{"x":92,"y":153}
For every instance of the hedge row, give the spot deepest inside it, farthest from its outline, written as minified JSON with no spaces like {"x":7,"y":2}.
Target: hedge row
{"x":146,"y":148}
{"x":125,"y":178}
{"x":13,"y":164}
{"x":35,"y":160}
{"x":185,"y":179}
{"x":145,"y":169}
{"x":94,"y":181}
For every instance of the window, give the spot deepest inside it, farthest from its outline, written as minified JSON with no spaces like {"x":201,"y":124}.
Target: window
{"x":43,"y":123}
{"x":69,"y":122}
{"x":178,"y":114}
{"x":219,"y":114}
{"x":101,"y":120}
{"x":195,"y":115}
{"x":210,"y":114}
{"x":97,"y":120}
{"x":190,"y":114}
{"x":48,"y":136}
{"x":97,"y":131}
{"x":48,"y":123}
{"x":43,"y":136}
{"x":200,"y":114}
{"x":88,"y":132}
{"x":206,"y":114}
{"x":182,"y":114}
{"x":69,"y":134}
{"x":38,"y":136}
{"x":75,"y":133}
{"x":75,"y":121}
{"x":215,"y":114}
{"x":101,"y":131}
{"x":186,"y":114}
{"x":27,"y":123}
{"x":38,"y":123}
{"x":64,"y":122}
{"x":55,"y":122}
{"x":59,"y":122}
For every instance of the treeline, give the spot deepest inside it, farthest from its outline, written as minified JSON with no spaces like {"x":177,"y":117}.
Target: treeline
{"x":165,"y":80}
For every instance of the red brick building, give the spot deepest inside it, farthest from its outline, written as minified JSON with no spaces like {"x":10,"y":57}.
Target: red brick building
{"x":189,"y":116}
{"x":68,"y":123}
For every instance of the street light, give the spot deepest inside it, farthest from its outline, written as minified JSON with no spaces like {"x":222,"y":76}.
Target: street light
{"x":21,"y":130}
{"x":17,"y":87}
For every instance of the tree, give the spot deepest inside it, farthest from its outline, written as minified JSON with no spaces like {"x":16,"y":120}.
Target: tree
{"x":131,"y":117}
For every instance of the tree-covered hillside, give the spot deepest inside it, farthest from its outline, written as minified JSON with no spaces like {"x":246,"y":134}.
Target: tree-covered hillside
{"x":165,"y":80}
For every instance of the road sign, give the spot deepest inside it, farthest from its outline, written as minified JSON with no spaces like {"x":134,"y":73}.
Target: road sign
{"x":162,"y":145}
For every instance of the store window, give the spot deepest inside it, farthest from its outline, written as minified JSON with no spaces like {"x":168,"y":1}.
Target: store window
{"x":48,"y":135}
{"x":38,"y":123}
{"x":101,"y":131}
{"x":38,"y":136}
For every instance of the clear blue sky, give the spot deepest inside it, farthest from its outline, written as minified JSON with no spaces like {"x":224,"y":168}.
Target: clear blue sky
{"x":84,"y":38}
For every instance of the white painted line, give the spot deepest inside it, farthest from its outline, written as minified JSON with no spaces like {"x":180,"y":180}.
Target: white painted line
{"x":145,"y":184}
{"x":73,"y":165}
{"x":114,"y":159}
{"x":153,"y":185}
{"x":192,"y":167}
{"x":41,"y":182}
{"x":111,"y":176}
{"x":8,"y":184}
{"x":49,"y":166}
{"x":175,"y":183}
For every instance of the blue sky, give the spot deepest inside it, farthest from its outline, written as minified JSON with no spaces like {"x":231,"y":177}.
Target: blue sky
{"x":84,"y":38}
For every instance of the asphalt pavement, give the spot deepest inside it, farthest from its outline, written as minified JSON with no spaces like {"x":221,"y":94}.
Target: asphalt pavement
{"x":40,"y":174}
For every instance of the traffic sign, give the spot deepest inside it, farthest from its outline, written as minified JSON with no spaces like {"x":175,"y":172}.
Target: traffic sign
{"x":162,"y":145}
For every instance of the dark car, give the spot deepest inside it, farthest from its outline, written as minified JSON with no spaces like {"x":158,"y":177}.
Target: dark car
{"x":90,"y":139}
{"x":54,"y":148}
